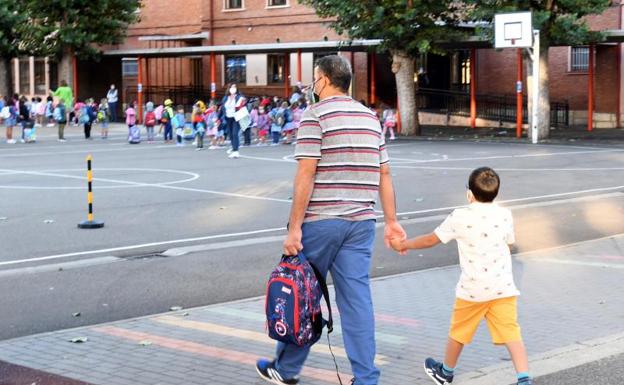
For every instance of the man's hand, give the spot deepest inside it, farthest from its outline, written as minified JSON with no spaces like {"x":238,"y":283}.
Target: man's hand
{"x":292,"y":244}
{"x":394,"y":231}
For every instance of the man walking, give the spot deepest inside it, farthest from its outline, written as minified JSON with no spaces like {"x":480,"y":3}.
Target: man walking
{"x":342,"y":167}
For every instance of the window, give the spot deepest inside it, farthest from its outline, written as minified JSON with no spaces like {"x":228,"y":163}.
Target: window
{"x":275,"y":66}
{"x":235,"y":69}
{"x":129,"y":67}
{"x":233,"y":4}
{"x":579,"y":59}
{"x":40,"y":73}
{"x":277,"y":3}
{"x":24,"y":76}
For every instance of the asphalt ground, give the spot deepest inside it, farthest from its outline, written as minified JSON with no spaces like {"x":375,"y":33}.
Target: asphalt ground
{"x":188,"y":228}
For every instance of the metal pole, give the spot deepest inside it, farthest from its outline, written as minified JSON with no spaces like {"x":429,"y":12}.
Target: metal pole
{"x":140,"y":89}
{"x":473,"y":88}
{"x":213,"y":85}
{"x":535,"y":88}
{"x":519,"y":96}
{"x":373,"y":91}
{"x":590,"y":91}
{"x":90,"y":223}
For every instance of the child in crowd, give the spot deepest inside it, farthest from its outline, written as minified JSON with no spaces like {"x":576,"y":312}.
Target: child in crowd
{"x":264,"y":125}
{"x":252,"y":130}
{"x":60,"y":117}
{"x":167,"y":120}
{"x":134,"y":133}
{"x":291,"y":133}
{"x":103,"y":117}
{"x":49,"y":111}
{"x":199,"y":124}
{"x":158,"y":111}
{"x":211,"y":119}
{"x":178,"y":123}
{"x":389,"y":120}
{"x":486,"y":290}
{"x":279,"y":118}
{"x":9,"y":115}
{"x":149,"y":120}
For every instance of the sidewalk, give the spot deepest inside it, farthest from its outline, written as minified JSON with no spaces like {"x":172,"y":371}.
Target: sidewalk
{"x":570,"y":310}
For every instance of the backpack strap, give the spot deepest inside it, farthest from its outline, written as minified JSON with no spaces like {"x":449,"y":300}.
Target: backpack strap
{"x":323,"y":284}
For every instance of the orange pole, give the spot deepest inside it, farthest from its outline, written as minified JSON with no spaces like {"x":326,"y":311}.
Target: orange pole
{"x":140,"y":90}
{"x":373,"y":91}
{"x":286,"y":75}
{"x":213,"y":89}
{"x":590,"y":91}
{"x":75,"y":77}
{"x":299,"y":66}
{"x":519,"y":96}
{"x":473,"y":88}
{"x":398,"y":115}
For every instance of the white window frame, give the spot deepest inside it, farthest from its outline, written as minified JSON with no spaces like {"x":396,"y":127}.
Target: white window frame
{"x":269,"y":6}
{"x":226,"y":9}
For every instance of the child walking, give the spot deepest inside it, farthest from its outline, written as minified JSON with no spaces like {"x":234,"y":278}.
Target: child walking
{"x":486,"y":290}
{"x":199,"y":124}
{"x":389,"y":122}
{"x":179,"y":121}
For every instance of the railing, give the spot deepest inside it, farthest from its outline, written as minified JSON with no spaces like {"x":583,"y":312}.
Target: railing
{"x":501,"y":108}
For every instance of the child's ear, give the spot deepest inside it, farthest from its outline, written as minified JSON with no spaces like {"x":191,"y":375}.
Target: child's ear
{"x":470,"y":196}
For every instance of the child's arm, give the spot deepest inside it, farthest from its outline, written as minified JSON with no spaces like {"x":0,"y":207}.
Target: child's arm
{"x":421,"y":242}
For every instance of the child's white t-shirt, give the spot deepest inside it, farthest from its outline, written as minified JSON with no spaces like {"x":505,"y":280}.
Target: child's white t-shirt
{"x":483,"y":232}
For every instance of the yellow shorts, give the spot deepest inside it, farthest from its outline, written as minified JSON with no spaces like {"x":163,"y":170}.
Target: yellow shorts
{"x":501,"y":316}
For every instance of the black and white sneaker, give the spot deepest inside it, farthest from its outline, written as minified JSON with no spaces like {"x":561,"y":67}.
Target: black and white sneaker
{"x":266,"y":370}
{"x":433,"y":369}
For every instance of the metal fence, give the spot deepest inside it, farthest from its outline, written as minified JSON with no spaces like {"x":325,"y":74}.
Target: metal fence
{"x":501,"y":108}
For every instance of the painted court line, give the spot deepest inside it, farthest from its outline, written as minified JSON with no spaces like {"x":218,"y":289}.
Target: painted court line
{"x":249,"y":335}
{"x":208,"y":351}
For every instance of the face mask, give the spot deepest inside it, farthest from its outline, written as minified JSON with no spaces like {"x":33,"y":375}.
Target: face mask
{"x":232,"y":90}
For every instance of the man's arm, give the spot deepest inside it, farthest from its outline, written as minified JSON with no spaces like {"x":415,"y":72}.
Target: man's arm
{"x":393,"y":229}
{"x":304,"y":185}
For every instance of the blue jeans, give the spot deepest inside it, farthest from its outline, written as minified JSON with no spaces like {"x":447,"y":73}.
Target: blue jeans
{"x":343,"y":248}
{"x":168,"y":131}
{"x":233,"y":129}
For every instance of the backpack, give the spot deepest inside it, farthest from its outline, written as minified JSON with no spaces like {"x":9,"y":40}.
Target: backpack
{"x":280,"y":118}
{"x":5,"y":113}
{"x":165,"y":116}
{"x":84,"y":116}
{"x":101,"y":115}
{"x":150,"y":119}
{"x":293,"y":302}
{"x":59,"y":114}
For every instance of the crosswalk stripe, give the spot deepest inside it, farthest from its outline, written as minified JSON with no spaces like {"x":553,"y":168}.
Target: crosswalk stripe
{"x":249,"y":335}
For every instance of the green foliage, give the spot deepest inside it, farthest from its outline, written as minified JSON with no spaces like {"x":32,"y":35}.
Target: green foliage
{"x":76,"y":25}
{"x":561,"y":22}
{"x":413,"y":27}
{"x":10,"y":16}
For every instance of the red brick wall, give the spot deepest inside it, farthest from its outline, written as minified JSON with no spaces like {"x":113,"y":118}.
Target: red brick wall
{"x":605,"y":82}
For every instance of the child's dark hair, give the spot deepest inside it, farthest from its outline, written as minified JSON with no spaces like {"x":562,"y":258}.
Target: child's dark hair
{"x":484,"y":184}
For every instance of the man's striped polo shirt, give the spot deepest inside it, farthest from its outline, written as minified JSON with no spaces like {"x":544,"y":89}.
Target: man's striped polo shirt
{"x":346,"y":138}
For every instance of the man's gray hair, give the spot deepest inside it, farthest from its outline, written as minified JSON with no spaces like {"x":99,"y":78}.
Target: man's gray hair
{"x":337,"y":69}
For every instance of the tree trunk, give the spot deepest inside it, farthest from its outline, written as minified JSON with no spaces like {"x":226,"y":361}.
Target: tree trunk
{"x":403,"y":69}
{"x":66,"y":69}
{"x":543,"y":128}
{"x":5,"y":77}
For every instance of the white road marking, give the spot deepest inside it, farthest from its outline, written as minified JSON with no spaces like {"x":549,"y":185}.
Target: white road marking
{"x":269,"y":239}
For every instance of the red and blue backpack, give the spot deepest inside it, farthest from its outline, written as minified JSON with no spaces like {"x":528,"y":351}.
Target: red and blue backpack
{"x":293,"y":302}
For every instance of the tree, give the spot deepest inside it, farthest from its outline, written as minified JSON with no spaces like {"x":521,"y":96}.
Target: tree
{"x":561,"y":23}
{"x":64,"y":28}
{"x":10,"y":16}
{"x":407,"y":28}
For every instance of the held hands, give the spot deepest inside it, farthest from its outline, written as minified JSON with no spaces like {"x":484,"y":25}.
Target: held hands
{"x":394,"y":237}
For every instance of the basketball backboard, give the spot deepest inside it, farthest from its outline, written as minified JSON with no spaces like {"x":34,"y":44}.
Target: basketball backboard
{"x":513,"y":30}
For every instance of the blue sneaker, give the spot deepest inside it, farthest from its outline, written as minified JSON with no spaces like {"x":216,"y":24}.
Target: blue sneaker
{"x":433,"y":369}
{"x":525,"y":381}
{"x":266,"y":370}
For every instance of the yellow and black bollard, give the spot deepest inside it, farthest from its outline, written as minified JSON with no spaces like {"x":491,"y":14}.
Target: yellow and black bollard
{"x":90,"y":223}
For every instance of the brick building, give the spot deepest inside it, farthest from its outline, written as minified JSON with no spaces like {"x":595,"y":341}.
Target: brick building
{"x":267,"y":46}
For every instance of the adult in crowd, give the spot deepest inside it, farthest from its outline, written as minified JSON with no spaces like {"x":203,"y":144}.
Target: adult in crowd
{"x":113,"y":98}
